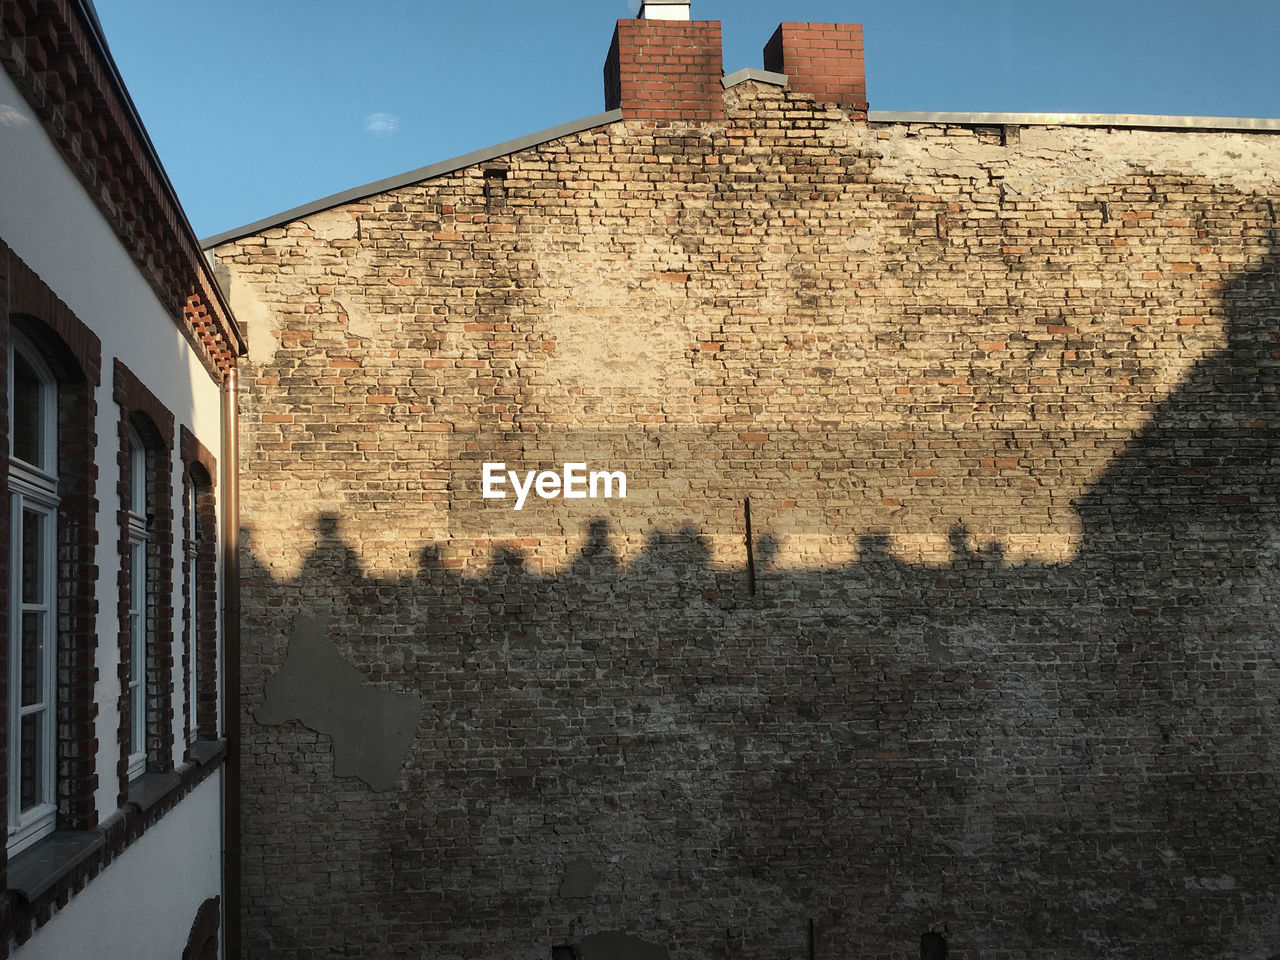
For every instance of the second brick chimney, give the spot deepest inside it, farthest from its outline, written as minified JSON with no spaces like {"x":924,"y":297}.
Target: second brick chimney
{"x":824,"y":59}
{"x":666,"y":67}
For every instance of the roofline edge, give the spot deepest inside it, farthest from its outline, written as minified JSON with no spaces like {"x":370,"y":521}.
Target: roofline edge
{"x":413,"y":176}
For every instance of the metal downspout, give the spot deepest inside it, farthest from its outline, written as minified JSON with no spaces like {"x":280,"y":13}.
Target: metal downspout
{"x":231,"y":660}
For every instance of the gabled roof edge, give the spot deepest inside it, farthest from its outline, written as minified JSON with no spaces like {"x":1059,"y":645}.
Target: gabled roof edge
{"x":414,"y":176}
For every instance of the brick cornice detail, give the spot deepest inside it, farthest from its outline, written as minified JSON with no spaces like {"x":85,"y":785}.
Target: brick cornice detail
{"x":53,"y":57}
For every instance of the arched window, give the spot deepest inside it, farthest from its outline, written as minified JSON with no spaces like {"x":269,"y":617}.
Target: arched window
{"x":136,"y":532}
{"x":200,"y":589}
{"x":146,"y":587}
{"x":191,"y":569}
{"x":33,"y":610}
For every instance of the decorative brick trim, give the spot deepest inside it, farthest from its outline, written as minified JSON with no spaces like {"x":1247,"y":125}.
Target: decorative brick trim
{"x":73,"y":353}
{"x":57,"y":59}
{"x":824,"y":59}
{"x":665,"y":70}
{"x":133,"y":396}
{"x":201,"y":469}
{"x":154,"y":423}
{"x":77,"y":596}
{"x":30,"y":295}
{"x":202,"y":942}
{"x":193,"y":451}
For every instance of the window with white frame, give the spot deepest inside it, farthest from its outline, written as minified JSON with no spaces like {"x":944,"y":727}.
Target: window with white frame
{"x":33,"y":523}
{"x":192,"y":547}
{"x":136,"y":532}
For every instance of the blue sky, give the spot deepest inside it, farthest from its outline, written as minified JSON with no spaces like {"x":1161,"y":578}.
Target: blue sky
{"x":256,"y":106}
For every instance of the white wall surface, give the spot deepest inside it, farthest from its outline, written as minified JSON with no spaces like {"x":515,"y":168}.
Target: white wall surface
{"x":47,"y":220}
{"x":141,"y":906}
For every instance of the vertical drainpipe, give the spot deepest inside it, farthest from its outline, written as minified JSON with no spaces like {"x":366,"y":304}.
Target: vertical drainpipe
{"x":231,"y":661}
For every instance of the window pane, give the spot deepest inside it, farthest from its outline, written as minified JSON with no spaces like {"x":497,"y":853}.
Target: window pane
{"x":137,"y":478}
{"x":136,"y":647}
{"x":27,"y":412}
{"x":137,"y":718}
{"x":31,"y":769}
{"x":32,"y":658}
{"x":137,"y":575}
{"x":33,"y":556}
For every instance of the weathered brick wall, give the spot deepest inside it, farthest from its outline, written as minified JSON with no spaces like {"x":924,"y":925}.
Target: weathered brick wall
{"x":1005,"y":404}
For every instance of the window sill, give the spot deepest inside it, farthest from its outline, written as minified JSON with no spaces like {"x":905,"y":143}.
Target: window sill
{"x":148,"y":789}
{"x":36,"y":870}
{"x":205,"y":752}
{"x":50,"y":865}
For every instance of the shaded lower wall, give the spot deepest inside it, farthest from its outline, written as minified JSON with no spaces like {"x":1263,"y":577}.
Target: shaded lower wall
{"x":1069,"y":760}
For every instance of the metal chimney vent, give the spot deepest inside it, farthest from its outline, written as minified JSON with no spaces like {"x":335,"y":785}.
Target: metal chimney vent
{"x":665,"y":10}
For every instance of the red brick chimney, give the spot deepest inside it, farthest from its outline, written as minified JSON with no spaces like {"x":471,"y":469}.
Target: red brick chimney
{"x":824,"y":59}
{"x":665,"y":69}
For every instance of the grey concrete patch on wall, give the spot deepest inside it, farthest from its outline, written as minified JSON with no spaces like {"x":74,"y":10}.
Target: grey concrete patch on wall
{"x":580,"y":879}
{"x":615,"y":945}
{"x":372,"y":727}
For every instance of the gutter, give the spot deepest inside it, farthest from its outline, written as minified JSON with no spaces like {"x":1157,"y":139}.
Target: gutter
{"x":414,"y":176}
{"x":232,"y":829}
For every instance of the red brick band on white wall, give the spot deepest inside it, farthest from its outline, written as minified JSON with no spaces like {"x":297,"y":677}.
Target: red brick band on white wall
{"x":142,"y":412}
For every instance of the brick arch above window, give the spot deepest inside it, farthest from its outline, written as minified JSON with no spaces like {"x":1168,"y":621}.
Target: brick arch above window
{"x":134,"y":398}
{"x":196,"y":454}
{"x":58,"y":330}
{"x":202,"y":941}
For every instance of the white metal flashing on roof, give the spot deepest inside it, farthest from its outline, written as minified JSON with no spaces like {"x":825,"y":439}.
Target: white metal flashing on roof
{"x":1135,"y":120}
{"x":414,"y":176}
{"x":1130,"y":120}
{"x":751,"y":73}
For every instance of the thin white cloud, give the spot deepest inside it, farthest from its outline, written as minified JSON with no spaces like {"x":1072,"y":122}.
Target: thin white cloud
{"x":10,"y":117}
{"x":381,"y":124}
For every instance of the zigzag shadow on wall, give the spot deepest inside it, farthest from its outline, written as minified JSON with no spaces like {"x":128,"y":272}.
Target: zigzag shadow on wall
{"x":1093,"y":741}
